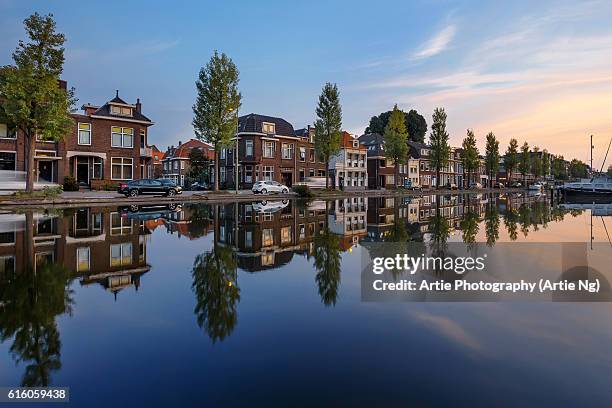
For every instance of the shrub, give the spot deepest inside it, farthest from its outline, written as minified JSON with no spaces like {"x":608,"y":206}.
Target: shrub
{"x":109,"y":186}
{"x":303,"y":191}
{"x":52,"y":192}
{"x":70,"y":184}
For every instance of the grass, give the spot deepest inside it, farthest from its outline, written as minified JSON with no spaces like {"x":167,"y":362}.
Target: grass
{"x":46,"y":193}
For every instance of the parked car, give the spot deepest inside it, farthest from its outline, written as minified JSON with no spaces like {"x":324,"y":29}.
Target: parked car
{"x":475,"y":184}
{"x":165,"y":187}
{"x":451,"y":186}
{"x":269,"y":206}
{"x":199,"y":186}
{"x":148,"y":212}
{"x":499,"y":185}
{"x":265,"y":187}
{"x":516,"y":184}
{"x":312,"y":182}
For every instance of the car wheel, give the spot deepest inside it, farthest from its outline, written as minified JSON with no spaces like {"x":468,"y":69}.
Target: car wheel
{"x":264,"y":191}
{"x":133,"y":193}
{"x":171,"y":193}
{"x":285,"y":191}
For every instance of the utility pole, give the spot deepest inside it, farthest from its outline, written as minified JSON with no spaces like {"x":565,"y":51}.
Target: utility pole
{"x":236,"y":154}
{"x":591,"y":156}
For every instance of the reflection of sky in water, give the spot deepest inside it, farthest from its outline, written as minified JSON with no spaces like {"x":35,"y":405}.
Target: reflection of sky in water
{"x":288,"y":347}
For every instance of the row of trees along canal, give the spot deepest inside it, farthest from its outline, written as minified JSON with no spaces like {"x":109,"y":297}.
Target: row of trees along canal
{"x":33,"y":102}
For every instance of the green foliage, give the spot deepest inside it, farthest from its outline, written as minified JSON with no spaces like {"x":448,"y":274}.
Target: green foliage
{"x":491,"y":223}
{"x":469,"y":155}
{"x":32,"y":100}
{"x":438,"y":139}
{"x":328,"y":124}
{"x":545,"y":163}
{"x":70,"y":184}
{"x":578,"y":169}
{"x":610,"y":171}
{"x":52,"y":191}
{"x":492,"y":156}
{"x":198,"y":165}
{"x":109,"y":186}
{"x":524,"y":164}
{"x":216,"y":107}
{"x":396,"y":138}
{"x":415,"y":124}
{"x":536,"y":163}
{"x":303,"y":191}
{"x":558,"y":168}
{"x":511,"y":158}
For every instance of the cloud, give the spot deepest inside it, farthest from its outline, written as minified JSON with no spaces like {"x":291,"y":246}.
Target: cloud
{"x":449,"y":329}
{"x":436,"y":44}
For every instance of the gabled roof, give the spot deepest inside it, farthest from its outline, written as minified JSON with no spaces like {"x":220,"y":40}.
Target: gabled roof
{"x":105,"y":110}
{"x":415,"y":149}
{"x":374,"y":143}
{"x":182,"y":151}
{"x":252,"y":123}
{"x":346,"y":140}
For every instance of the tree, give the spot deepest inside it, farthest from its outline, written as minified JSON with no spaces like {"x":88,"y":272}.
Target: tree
{"x":198,"y":165}
{"x":469,"y":155}
{"x":558,"y":168}
{"x":415,"y":124}
{"x":511,"y":159}
{"x":328,"y":124}
{"x":396,"y":138}
{"x":215,"y":112}
{"x":578,"y":169}
{"x":491,"y":222}
{"x":438,"y":139}
{"x":492,"y":156}
{"x":536,"y":163}
{"x":524,"y":161}
{"x":327,"y":263}
{"x":610,"y":171}
{"x":545,"y":163}
{"x":32,"y":99}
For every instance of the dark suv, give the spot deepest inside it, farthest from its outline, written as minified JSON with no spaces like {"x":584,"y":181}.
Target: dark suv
{"x":164,"y":187}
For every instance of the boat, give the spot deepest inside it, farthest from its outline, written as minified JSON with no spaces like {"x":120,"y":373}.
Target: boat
{"x":599,"y":184}
{"x":536,"y":187}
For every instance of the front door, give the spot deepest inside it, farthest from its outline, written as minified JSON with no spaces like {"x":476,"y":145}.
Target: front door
{"x":287,"y":179}
{"x":45,"y":171}
{"x":82,"y":170}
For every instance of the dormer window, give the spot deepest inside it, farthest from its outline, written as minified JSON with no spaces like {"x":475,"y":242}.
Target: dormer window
{"x":268,"y":128}
{"x":121,"y":110}
{"x":355,"y":144}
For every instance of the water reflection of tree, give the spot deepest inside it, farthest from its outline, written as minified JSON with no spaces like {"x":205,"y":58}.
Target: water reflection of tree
{"x":491,"y":223}
{"x":217,"y":293}
{"x":30,"y":303}
{"x":440,"y":231}
{"x":199,"y":220}
{"x":525,"y":219}
{"x":469,"y":227}
{"x":327,"y":263}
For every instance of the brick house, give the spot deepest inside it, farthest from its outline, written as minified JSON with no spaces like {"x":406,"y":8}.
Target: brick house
{"x":269,"y":149}
{"x":380,"y":170}
{"x":107,"y":144}
{"x":348,"y":168}
{"x":176,"y":160}
{"x":158,"y":157}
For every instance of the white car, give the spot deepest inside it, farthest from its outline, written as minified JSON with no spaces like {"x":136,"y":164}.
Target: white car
{"x":265,"y":187}
{"x":269,"y":206}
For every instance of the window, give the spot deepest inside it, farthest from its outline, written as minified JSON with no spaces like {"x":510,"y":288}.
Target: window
{"x":287,"y":150}
{"x":312,"y":155}
{"x":143,"y":138}
{"x":84,"y":133}
{"x":248,"y":239}
{"x":7,"y":265}
{"x":286,"y":235}
{"x":176,"y":164}
{"x":121,"y":110}
{"x":222,"y":176}
{"x":222,"y":154}
{"x":267,"y":237}
{"x":97,"y":168}
{"x":121,"y":254}
{"x":302,"y":174}
{"x":182,"y":179}
{"x":248,"y":174}
{"x":321,"y":173}
{"x":302,"y":154}
{"x":311,"y":172}
{"x":120,"y":225}
{"x":268,"y":173}
{"x":248,"y":145}
{"x":7,"y":161}
{"x":83,"y":257}
{"x":182,"y":165}
{"x":121,"y":168}
{"x":122,"y":137}
{"x":268,"y":149}
{"x":269,"y":128}
{"x":6,"y":132}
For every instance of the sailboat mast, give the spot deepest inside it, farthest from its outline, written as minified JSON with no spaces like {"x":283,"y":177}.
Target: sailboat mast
{"x":606,"y":157}
{"x":591,"y":156}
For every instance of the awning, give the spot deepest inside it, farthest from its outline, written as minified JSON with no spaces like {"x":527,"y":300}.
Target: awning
{"x":72,"y":153}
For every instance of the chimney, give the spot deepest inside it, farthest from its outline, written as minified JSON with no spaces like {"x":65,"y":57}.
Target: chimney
{"x":138,"y":105}
{"x":116,"y":93}
{"x":180,"y":143}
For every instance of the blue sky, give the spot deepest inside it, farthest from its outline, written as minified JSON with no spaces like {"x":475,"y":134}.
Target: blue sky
{"x":537,"y":71}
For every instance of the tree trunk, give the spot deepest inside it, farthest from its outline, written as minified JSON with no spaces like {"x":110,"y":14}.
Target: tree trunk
{"x":396,"y":170}
{"x":437,"y":177}
{"x":216,"y":188}
{"x":28,"y":242}
{"x":327,"y":173}
{"x":29,"y":150}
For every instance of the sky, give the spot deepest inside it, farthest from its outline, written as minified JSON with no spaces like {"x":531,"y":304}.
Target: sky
{"x":536,"y":71}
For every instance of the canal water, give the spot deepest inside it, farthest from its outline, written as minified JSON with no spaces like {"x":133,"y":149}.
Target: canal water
{"x":260,"y":303}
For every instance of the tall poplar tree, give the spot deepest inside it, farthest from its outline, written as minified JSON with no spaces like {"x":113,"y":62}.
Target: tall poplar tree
{"x":438,"y":139}
{"x":511,"y":159}
{"x":32,"y":100}
{"x":524,"y":162}
{"x":469,"y":155}
{"x":215,"y":112}
{"x":328,"y":125}
{"x":536,"y":163}
{"x":545,"y":163}
{"x":396,"y":140}
{"x":492,"y":156}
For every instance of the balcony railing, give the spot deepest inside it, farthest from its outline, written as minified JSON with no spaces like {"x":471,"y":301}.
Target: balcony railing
{"x":146,"y":152}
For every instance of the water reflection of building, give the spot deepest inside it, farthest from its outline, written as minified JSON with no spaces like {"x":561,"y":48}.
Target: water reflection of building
{"x":98,"y":245}
{"x":347,"y":217}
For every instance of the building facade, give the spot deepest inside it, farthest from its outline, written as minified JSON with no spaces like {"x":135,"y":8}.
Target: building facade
{"x":347,"y":169}
{"x":176,"y":162}
{"x":106,"y":145}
